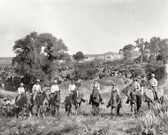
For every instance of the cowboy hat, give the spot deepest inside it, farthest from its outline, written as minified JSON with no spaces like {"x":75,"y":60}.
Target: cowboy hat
{"x":55,"y":81}
{"x":21,"y":84}
{"x":38,"y":80}
{"x":153,"y":75}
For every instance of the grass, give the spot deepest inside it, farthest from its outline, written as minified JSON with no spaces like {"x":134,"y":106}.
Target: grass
{"x":85,"y":123}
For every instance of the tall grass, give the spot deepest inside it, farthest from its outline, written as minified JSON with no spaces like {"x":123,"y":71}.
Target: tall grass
{"x":154,"y":121}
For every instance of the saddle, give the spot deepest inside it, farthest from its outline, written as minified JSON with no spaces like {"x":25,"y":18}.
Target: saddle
{"x":95,"y":96}
{"x":18,"y":97}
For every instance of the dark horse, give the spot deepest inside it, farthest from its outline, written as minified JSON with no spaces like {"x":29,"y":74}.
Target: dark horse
{"x":54,"y":102}
{"x":95,"y":101}
{"x":115,"y":103}
{"x":72,"y":99}
{"x":41,"y":102}
{"x":135,"y":100}
{"x":23,"y":104}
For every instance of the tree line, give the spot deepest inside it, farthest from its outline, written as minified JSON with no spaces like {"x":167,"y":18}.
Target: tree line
{"x":45,"y":57}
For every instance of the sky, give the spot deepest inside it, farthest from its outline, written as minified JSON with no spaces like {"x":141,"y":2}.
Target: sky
{"x":90,"y":26}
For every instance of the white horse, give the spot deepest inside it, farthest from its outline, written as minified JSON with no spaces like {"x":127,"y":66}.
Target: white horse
{"x":149,"y":96}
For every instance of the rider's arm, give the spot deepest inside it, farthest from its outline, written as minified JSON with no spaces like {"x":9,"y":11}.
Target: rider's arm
{"x":52,"y":90}
{"x":98,"y":87}
{"x":33,"y":89}
{"x":40,"y":89}
{"x":19,"y":92}
{"x":155,"y":83}
{"x":139,"y":87}
{"x":69,"y":89}
{"x":58,"y":88}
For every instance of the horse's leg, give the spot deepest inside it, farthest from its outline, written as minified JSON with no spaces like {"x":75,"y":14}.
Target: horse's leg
{"x":118,"y":110}
{"x":69,"y":110}
{"x":97,"y":109}
{"x":27,"y":112}
{"x":38,"y":111}
{"x":17,"y":112}
{"x":43,"y":115}
{"x":131,"y":107}
{"x":93,"y":109}
{"x":111,"y":112}
{"x":57,"y":111}
{"x":148,"y":104}
{"x":161,"y":100}
{"x":23,"y":113}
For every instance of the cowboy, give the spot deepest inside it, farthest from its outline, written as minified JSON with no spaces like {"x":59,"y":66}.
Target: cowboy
{"x":36,"y":89}
{"x":72,"y":87}
{"x":136,"y":94}
{"x":114,"y":93}
{"x":21,"y":90}
{"x":54,"y":87}
{"x":96,"y":86}
{"x":143,"y":84}
{"x":153,"y":84}
{"x":135,"y":89}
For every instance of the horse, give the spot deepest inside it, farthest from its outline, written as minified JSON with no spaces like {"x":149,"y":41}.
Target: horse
{"x":41,"y":102}
{"x":149,"y":96}
{"x":115,"y":103}
{"x":23,"y":104}
{"x":54,"y":102}
{"x":73,"y":99}
{"x":135,"y":100}
{"x":95,"y":101}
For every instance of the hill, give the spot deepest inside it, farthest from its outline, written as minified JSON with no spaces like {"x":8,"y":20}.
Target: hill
{"x":5,"y":60}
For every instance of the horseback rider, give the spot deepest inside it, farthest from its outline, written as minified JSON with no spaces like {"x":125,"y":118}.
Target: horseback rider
{"x":72,"y":89}
{"x":36,"y":89}
{"x":96,"y":86}
{"x":153,"y":83}
{"x":21,"y":90}
{"x":135,"y":89}
{"x":143,"y":84}
{"x":114,"y":92}
{"x":54,"y":87}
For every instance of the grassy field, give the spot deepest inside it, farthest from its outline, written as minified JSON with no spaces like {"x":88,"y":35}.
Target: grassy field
{"x":84,"y":123}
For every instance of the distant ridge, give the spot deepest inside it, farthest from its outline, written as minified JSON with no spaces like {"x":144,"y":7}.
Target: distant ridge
{"x":113,"y":55}
{"x":6,"y":60}
{"x":107,"y":53}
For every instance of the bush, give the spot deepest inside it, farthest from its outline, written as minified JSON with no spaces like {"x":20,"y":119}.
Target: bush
{"x":85,"y":71}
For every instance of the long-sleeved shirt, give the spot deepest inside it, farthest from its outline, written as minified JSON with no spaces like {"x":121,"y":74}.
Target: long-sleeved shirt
{"x":54,"y":88}
{"x":36,"y":88}
{"x":96,"y":85}
{"x":21,"y":90}
{"x":72,"y":87}
{"x":153,"y":82}
{"x":136,"y":88}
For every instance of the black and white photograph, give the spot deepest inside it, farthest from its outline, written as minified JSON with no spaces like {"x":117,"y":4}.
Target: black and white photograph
{"x":83,"y":67}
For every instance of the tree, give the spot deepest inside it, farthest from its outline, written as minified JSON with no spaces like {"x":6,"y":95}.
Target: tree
{"x":154,"y":47}
{"x":141,"y":46}
{"x":163,"y":52}
{"x":127,"y":52}
{"x":78,"y":56}
{"x":36,"y":55}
